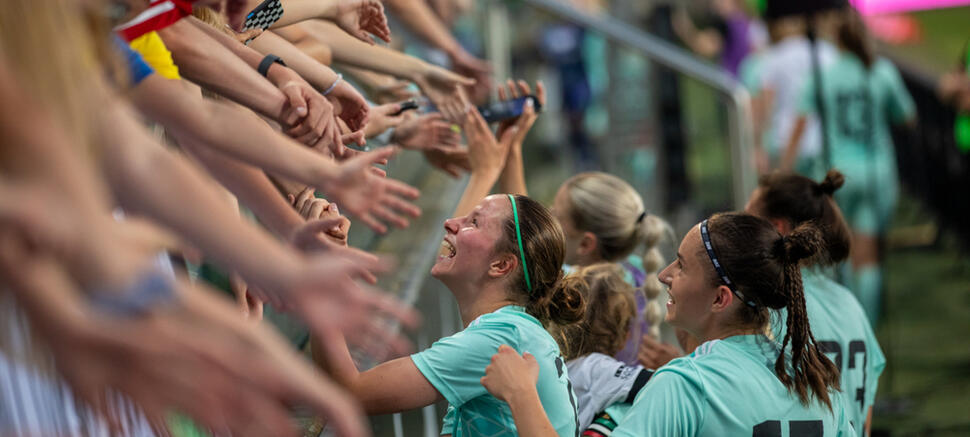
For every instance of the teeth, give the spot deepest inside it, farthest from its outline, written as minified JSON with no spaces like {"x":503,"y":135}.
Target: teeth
{"x":447,"y":250}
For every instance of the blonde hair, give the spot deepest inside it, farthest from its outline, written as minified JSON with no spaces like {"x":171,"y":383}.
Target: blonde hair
{"x":58,"y":51}
{"x":611,"y":309}
{"x":613,"y":211}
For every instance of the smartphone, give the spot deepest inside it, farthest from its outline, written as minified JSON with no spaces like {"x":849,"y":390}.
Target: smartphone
{"x":407,"y":105}
{"x":507,"y":109}
{"x":263,"y":16}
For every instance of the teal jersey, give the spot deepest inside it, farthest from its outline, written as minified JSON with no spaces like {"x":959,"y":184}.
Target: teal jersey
{"x":455,"y":366}
{"x":729,"y":388}
{"x":842,"y":330}
{"x":860,"y":104}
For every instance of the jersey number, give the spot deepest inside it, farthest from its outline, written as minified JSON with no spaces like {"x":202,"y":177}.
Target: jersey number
{"x":855,"y":347}
{"x":796,"y":428}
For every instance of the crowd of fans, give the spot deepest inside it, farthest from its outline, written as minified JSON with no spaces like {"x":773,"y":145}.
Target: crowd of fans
{"x":152,"y":121}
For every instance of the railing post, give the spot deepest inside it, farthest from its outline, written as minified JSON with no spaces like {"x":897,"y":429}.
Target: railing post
{"x":498,"y":48}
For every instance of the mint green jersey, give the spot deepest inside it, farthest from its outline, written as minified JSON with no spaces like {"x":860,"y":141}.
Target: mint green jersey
{"x":729,"y":388}
{"x":842,"y":330}
{"x":860,"y":104}
{"x":455,"y":366}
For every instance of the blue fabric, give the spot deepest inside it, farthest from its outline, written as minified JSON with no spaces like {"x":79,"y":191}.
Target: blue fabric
{"x":138,"y":69}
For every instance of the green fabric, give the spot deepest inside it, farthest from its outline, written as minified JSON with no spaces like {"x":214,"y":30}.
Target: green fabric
{"x":867,"y":283}
{"x":726,"y":388}
{"x":860,"y":105}
{"x":182,"y":426}
{"x":455,"y":365}
{"x":840,"y":325}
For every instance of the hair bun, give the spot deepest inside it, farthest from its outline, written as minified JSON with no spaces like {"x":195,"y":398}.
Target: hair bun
{"x":833,"y":181}
{"x":802,"y":243}
{"x":566,"y":303}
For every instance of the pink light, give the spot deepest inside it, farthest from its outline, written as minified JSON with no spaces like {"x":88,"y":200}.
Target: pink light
{"x":873,"y":7}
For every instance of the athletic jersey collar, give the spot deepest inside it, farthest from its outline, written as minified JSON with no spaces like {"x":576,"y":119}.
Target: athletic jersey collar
{"x":516,"y":310}
{"x":749,"y":342}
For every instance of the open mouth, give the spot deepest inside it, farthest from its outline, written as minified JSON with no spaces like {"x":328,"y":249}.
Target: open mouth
{"x":447,"y":250}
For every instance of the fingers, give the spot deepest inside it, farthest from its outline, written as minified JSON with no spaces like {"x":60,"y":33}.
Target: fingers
{"x":377,"y":156}
{"x":509,"y":135}
{"x":513,"y":91}
{"x":305,"y":196}
{"x":373,"y":223}
{"x":297,"y":103}
{"x":316,"y":226}
{"x":541,"y":92}
{"x":401,"y":189}
{"x":524,"y":88}
{"x":354,"y":138}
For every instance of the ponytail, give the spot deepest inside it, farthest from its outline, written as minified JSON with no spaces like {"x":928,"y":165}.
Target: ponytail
{"x":798,"y":199}
{"x":651,"y":232}
{"x":854,"y":37}
{"x":811,"y":371}
{"x":565,"y":304}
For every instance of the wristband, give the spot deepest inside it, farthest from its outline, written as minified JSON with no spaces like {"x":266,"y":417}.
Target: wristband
{"x":334,"y":85}
{"x":267,"y":62}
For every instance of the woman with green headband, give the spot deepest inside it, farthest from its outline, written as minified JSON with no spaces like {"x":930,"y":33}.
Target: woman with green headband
{"x":502,"y":258}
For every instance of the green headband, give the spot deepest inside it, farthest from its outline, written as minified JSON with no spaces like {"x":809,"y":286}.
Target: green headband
{"x":518,"y":236}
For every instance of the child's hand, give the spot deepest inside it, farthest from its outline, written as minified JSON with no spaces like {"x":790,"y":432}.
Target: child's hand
{"x":510,"y":374}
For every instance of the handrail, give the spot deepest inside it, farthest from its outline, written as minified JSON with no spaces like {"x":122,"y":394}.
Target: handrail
{"x":744,"y":177}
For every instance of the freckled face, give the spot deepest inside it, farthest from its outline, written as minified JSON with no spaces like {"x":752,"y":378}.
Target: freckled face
{"x":469,"y":242}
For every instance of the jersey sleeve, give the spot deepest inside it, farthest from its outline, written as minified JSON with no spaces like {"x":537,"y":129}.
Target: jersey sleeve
{"x":671,"y":404}
{"x":608,"y":381}
{"x":455,"y":365}
{"x":876,"y":364}
{"x":900,"y":106}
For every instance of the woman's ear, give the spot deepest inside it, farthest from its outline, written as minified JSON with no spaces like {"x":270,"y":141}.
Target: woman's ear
{"x":722,"y":299}
{"x":588,"y":244}
{"x":502,"y":266}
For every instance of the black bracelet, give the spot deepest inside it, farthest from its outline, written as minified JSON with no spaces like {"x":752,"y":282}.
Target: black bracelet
{"x":267,"y":62}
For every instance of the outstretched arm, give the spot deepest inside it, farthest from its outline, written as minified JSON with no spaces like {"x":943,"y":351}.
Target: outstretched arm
{"x":440,"y":85}
{"x":391,"y":387}
{"x":209,"y":64}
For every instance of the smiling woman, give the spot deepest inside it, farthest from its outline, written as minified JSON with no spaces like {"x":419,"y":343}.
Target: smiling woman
{"x":501,"y":258}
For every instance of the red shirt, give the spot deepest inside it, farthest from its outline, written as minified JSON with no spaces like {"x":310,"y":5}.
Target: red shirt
{"x":159,"y":15}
